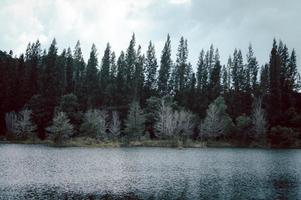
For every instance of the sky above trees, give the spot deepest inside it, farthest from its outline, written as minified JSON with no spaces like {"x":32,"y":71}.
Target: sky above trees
{"x":228,"y":24}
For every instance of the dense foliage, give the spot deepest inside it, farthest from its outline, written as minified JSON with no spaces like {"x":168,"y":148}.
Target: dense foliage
{"x":135,"y":95}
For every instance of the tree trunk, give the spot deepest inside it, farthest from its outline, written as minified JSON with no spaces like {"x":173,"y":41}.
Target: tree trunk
{"x":2,"y":124}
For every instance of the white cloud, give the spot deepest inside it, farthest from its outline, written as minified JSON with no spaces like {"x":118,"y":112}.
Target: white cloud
{"x":180,"y":1}
{"x":232,"y":24}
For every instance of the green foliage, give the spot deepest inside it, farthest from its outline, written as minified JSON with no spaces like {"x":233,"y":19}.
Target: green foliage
{"x":61,"y":128}
{"x":49,"y":80}
{"x":69,"y":105}
{"x":135,"y":121}
{"x":282,"y":136}
{"x":92,"y":79}
{"x":150,"y":71}
{"x":165,"y":68}
{"x":243,"y":127}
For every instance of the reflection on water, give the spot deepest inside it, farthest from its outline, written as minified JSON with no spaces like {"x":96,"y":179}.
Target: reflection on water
{"x":38,"y":172}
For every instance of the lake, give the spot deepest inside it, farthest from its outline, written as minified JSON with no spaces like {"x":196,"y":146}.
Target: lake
{"x":41,"y":172}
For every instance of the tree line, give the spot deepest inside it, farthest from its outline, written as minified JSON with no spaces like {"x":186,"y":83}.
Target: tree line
{"x":46,"y":93}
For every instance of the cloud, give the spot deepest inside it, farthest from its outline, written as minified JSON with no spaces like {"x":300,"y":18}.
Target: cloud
{"x":179,"y":1}
{"x":228,"y":24}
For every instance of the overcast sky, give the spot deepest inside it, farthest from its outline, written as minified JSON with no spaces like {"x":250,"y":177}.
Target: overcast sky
{"x":228,"y":24}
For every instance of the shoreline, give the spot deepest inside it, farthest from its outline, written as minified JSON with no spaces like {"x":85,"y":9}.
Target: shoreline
{"x":93,"y":143}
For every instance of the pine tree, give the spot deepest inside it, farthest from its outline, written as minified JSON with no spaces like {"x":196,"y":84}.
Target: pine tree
{"x":135,"y":121}
{"x":121,"y":84}
{"x":91,"y":79}
{"x":138,"y":78}
{"x":252,"y":66}
{"x":61,"y":129}
{"x":225,"y":85}
{"x":202,"y":73}
{"x":130,"y":59}
{"x":79,"y":71}
{"x":150,"y":71}
{"x":182,"y":72}
{"x":274,"y":85}
{"x":105,"y":68}
{"x":165,"y":68}
{"x":69,"y":72}
{"x":292,"y":79}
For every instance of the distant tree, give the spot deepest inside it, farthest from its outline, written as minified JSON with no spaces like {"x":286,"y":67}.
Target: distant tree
{"x":61,"y":128}
{"x":135,"y":121}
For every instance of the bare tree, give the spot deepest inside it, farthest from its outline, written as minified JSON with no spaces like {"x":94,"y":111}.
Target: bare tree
{"x":184,"y":123}
{"x":20,"y":123}
{"x":165,"y":125}
{"x":258,"y":119}
{"x":173,"y":123}
{"x":115,"y":124}
{"x":95,"y":123}
{"x":216,"y":121}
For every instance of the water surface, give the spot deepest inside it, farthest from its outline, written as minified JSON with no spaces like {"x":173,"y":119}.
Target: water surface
{"x":40,"y":172}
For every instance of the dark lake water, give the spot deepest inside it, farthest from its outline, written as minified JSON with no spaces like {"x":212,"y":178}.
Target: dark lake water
{"x":40,"y":172}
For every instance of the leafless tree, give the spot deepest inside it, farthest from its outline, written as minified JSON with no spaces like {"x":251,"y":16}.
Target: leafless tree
{"x":95,"y":123}
{"x":115,"y":124}
{"x":258,"y":119}
{"x":173,"y":123}
{"x":20,"y":123}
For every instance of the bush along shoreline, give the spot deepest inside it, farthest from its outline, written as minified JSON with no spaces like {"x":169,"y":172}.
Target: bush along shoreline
{"x":136,"y":100}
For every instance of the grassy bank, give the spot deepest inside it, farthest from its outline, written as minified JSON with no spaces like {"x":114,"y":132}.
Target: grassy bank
{"x":94,"y":143}
{"x":91,"y":142}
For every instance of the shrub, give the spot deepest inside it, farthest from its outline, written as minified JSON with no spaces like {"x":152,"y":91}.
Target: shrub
{"x":282,"y":136}
{"x":243,"y":128}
